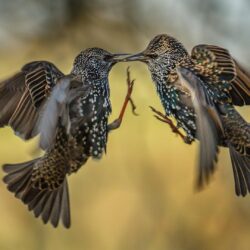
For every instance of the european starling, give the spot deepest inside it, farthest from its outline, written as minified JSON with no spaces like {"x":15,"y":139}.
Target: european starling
{"x":71,"y":114}
{"x":200,"y":92}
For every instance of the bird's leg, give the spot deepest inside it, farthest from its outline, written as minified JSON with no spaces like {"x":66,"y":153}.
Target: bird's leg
{"x":130,"y":85}
{"x":117,"y":122}
{"x":163,"y":118}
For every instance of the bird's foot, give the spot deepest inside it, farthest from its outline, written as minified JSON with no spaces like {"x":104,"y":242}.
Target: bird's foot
{"x":163,"y":118}
{"x":187,"y":140}
{"x":117,"y":122}
{"x":130,"y":85}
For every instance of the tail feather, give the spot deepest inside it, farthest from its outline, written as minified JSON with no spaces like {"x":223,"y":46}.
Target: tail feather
{"x":38,"y":208}
{"x":29,"y":194}
{"x":48,"y":207}
{"x":38,"y":198}
{"x":241,"y":170}
{"x":55,"y":216}
{"x":51,"y":205}
{"x":18,"y":186}
{"x":17,"y":178}
{"x":65,"y":206}
{"x":9,"y":168}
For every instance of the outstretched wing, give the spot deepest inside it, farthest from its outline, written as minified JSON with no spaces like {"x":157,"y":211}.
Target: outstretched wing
{"x":23,"y":95}
{"x":219,"y":68}
{"x":208,"y":124}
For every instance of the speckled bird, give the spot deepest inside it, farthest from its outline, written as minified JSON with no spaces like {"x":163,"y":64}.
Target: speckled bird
{"x":70,"y":112}
{"x":199,"y":91}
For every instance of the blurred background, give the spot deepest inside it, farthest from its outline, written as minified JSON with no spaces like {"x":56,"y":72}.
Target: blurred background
{"x":140,"y":195}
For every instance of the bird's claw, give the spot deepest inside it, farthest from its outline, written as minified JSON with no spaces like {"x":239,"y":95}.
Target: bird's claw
{"x":187,"y":140}
{"x":115,"y":124}
{"x":129,"y":92}
{"x":157,"y":112}
{"x":133,"y":107}
{"x":163,"y":118}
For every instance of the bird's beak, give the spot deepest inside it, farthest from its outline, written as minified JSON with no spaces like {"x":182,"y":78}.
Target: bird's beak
{"x":136,"y":57}
{"x":119,"y":57}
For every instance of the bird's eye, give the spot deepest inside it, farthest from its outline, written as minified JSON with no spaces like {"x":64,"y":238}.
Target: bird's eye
{"x":107,"y":58}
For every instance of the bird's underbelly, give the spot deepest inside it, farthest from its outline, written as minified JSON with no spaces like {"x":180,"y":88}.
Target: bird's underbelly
{"x":91,"y":136}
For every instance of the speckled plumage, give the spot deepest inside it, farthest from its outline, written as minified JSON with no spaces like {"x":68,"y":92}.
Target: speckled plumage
{"x":211,"y":72}
{"x":78,"y":107}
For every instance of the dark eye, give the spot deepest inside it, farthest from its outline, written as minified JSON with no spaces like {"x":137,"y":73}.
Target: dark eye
{"x":107,"y":58}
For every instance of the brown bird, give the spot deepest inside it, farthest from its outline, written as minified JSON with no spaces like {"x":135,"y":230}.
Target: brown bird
{"x":200,"y":91}
{"x":71,"y":114}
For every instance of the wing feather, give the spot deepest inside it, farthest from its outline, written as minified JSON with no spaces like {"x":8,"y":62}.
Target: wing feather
{"x":220,"y":68}
{"x":208,"y":125}
{"x":23,"y":96}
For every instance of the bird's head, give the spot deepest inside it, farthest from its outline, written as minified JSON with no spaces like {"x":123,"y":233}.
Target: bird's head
{"x":162,"y":51}
{"x":95,"y":63}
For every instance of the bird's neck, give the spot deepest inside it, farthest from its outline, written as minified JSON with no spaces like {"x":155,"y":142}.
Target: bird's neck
{"x":97,"y":80}
{"x":100,"y":86}
{"x":169,"y":96}
{"x":165,"y":89}
{"x":165,"y":78}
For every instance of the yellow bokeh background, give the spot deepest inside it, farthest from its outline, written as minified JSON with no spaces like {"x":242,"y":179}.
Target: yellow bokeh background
{"x":141,"y":195}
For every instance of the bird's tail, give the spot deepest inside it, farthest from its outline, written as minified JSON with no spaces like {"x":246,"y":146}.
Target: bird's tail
{"x":241,"y":170}
{"x":50,"y":204}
